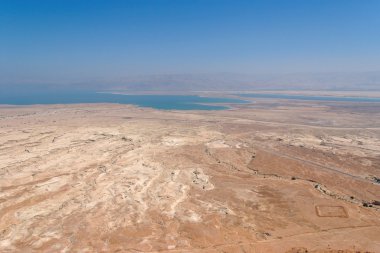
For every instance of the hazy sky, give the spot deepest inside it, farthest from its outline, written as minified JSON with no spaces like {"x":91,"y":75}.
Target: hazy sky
{"x":74,"y":40}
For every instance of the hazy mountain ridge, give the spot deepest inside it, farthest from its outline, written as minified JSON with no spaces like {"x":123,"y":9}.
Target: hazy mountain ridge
{"x":233,"y":82}
{"x":214,"y":82}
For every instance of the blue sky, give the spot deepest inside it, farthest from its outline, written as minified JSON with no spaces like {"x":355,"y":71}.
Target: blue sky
{"x":77,"y":40}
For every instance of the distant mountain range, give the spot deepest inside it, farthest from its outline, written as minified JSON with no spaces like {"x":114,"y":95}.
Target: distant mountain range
{"x":245,"y":82}
{"x":217,"y":82}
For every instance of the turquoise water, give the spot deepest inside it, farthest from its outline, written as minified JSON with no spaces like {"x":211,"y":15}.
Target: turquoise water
{"x":164,"y":102}
{"x":315,"y":98}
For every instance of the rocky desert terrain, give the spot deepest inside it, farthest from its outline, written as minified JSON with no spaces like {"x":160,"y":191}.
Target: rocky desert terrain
{"x":271,"y":176}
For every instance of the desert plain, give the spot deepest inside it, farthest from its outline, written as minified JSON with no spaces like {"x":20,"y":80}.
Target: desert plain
{"x":271,"y":176}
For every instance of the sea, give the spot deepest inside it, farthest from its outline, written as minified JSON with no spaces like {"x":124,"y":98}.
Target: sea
{"x":163,"y":102}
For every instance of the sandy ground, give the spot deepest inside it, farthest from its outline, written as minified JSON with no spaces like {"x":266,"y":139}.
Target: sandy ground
{"x":374,"y":94}
{"x":268,"y":177}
